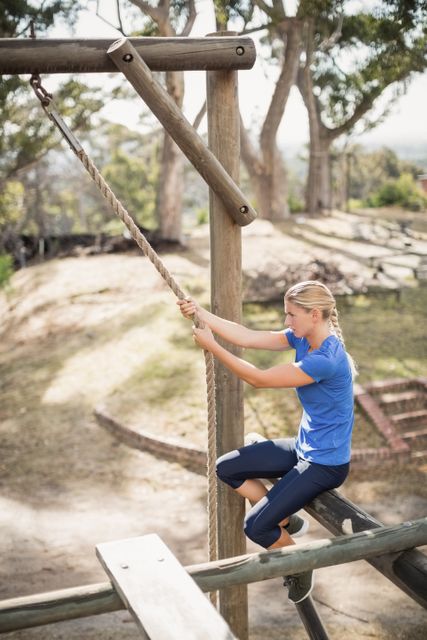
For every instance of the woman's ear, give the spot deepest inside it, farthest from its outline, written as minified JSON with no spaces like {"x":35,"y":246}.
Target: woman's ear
{"x":316,"y":314}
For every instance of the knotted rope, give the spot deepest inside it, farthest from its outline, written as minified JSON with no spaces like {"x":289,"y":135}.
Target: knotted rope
{"x":142,"y":242}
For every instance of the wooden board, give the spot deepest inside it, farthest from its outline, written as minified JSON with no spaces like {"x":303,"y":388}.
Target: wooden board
{"x":164,"y":600}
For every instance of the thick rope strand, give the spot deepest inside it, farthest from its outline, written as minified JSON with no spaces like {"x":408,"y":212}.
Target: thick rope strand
{"x":145,"y":246}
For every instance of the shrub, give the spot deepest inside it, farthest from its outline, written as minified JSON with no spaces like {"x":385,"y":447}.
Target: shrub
{"x":6,"y":270}
{"x":402,"y":191}
{"x":295,"y":204}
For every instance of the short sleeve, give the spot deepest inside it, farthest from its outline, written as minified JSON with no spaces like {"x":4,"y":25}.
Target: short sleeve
{"x":289,"y":335}
{"x":317,"y":365}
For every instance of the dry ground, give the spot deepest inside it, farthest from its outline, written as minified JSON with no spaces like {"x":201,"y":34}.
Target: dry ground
{"x":79,"y":332}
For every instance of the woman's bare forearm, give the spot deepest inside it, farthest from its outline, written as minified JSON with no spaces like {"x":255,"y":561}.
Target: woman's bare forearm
{"x":232,"y":332}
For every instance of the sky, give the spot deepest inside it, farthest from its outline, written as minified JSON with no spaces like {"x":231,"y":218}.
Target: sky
{"x":404,"y":126}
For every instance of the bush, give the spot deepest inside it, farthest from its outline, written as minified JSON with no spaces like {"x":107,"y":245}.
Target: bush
{"x":295,"y":204}
{"x":402,"y":191}
{"x":6,"y":270}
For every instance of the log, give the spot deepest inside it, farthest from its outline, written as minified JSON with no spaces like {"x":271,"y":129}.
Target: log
{"x":88,"y":55}
{"x":127,"y":59}
{"x":226,"y":296}
{"x":162,"y":598}
{"x":408,"y":570}
{"x":35,"y":610}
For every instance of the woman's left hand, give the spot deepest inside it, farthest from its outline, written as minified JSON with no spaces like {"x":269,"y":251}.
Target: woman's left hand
{"x":204,"y":338}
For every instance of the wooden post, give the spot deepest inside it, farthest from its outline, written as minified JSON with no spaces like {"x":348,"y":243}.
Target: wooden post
{"x":226,"y":295}
{"x":127,"y":59}
{"x":88,"y":55}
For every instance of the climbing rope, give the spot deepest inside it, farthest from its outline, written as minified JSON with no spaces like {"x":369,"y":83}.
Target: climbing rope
{"x":46,"y":100}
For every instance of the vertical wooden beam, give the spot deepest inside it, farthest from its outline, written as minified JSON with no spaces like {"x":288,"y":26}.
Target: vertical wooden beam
{"x":226,"y":294}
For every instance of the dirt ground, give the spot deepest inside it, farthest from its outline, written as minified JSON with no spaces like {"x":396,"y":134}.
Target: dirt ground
{"x":73,"y":334}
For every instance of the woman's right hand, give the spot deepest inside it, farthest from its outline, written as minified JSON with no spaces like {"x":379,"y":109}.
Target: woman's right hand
{"x":188,"y":308}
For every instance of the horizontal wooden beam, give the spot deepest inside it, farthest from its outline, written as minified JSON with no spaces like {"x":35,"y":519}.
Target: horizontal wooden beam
{"x":31,"y":611}
{"x":127,"y":59}
{"x":408,"y":570}
{"x":77,"y":55}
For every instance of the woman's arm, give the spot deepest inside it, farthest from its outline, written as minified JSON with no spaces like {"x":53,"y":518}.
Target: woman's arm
{"x":233,"y":332}
{"x":284,"y":375}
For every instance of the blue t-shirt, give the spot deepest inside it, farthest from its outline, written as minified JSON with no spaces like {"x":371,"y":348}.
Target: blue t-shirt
{"x":324,"y":434}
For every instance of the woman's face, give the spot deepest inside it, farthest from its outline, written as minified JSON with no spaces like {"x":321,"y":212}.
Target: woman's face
{"x":298,"y":319}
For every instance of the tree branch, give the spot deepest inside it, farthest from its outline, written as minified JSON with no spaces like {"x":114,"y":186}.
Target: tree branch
{"x":110,"y":24}
{"x":199,"y":117}
{"x":192,"y":15}
{"x":156,"y":13}
{"x":293,"y":30}
{"x":334,"y":37}
{"x":250,"y":156}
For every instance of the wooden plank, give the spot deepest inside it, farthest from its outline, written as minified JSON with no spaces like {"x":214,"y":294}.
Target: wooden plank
{"x":226,"y":296}
{"x":127,"y":59}
{"x":163,"y":599}
{"x":88,"y":55}
{"x":29,"y":611}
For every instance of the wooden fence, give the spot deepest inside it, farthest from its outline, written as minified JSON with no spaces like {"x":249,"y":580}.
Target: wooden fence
{"x":145,"y":575}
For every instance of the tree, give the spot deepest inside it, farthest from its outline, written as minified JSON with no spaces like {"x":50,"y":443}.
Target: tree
{"x":26,"y":134}
{"x":166,"y":18}
{"x":350,"y":60}
{"x":264,"y":162}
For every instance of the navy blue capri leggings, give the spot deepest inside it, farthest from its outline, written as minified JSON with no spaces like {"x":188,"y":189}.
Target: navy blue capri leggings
{"x":300,"y":482}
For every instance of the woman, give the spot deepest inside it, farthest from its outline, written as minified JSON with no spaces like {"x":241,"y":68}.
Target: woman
{"x":318,"y":458}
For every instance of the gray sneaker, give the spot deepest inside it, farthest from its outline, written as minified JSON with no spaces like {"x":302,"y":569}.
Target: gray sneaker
{"x":300,"y":585}
{"x":296,"y":526}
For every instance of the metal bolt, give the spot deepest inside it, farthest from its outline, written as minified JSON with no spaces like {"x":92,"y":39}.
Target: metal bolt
{"x":128,"y":57}
{"x":124,"y":566}
{"x":244,"y":209}
{"x":240,"y":51}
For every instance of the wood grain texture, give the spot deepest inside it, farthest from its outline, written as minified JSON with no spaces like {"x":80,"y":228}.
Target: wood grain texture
{"x":135,"y":69}
{"x":163,"y":599}
{"x":226,"y":296}
{"x":77,"y":55}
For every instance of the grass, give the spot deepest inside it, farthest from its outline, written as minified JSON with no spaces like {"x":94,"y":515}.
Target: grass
{"x":135,"y":355}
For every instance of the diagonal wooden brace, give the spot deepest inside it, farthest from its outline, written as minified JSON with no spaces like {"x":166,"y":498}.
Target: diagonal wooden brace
{"x":128,"y":60}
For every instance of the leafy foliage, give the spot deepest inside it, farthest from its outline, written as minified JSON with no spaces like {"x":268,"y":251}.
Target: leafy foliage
{"x":402,"y":191}
{"x":6,"y":270}
{"x":370,"y":172}
{"x":374,"y":49}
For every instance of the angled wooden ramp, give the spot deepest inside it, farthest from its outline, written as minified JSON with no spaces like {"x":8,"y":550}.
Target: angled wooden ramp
{"x":164,"y":600}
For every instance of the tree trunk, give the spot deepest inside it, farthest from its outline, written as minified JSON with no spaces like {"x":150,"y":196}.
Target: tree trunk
{"x":171,"y":178}
{"x":170,"y":185}
{"x":270,"y":185}
{"x":266,"y":167}
{"x":169,"y":191}
{"x":318,"y":190}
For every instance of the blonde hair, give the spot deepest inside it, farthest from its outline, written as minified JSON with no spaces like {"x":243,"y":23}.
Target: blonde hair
{"x":313,"y":294}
